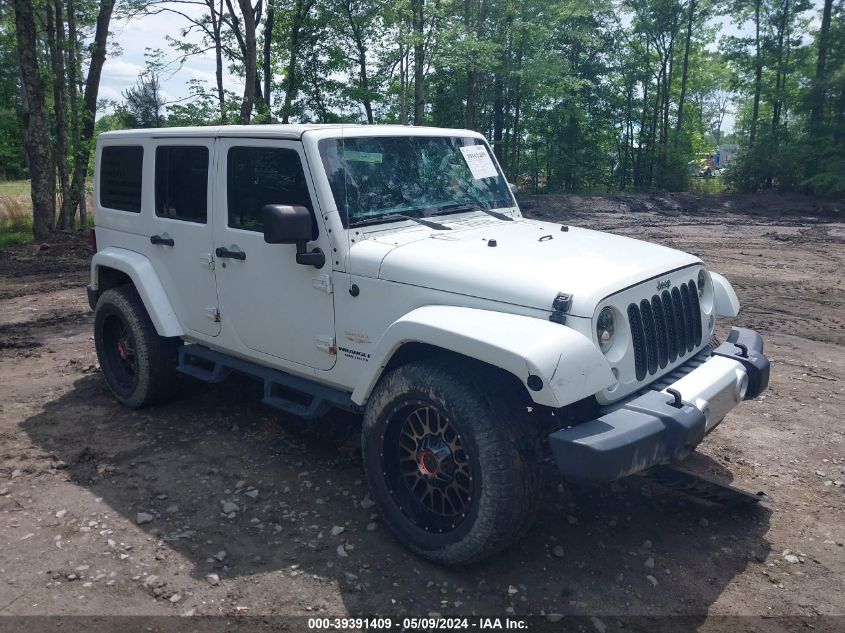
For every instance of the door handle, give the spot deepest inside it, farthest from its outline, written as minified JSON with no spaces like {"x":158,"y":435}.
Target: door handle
{"x":225,"y":252}
{"x":162,"y":241}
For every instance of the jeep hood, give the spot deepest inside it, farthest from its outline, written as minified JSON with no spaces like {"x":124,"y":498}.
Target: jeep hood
{"x":529,"y":265}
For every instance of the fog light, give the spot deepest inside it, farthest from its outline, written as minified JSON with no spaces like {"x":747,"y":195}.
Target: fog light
{"x":741,"y":388}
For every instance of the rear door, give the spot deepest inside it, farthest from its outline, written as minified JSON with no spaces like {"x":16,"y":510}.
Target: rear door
{"x":276,"y":306}
{"x":181,"y":240}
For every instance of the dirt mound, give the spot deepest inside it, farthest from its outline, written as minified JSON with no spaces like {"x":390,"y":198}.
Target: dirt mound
{"x":768,"y":205}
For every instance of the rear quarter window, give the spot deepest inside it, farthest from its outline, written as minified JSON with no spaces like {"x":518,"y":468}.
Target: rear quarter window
{"x":181,"y":183}
{"x":121,"y":168}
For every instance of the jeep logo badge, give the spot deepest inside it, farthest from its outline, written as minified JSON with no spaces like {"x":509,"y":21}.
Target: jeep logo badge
{"x":663,"y":285}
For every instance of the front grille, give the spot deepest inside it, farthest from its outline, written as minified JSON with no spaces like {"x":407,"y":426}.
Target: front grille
{"x":665,"y":329}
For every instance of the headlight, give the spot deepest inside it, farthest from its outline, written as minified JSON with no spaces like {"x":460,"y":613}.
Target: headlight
{"x":606,"y":329}
{"x":702,"y":279}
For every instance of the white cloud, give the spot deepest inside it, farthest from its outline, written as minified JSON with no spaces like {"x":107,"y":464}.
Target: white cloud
{"x":134,"y":36}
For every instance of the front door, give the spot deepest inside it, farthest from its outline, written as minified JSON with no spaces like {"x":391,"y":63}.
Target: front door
{"x":180,"y":238}
{"x":276,"y":306}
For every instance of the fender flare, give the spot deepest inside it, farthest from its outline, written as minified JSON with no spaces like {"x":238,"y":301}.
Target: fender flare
{"x":569,"y":365}
{"x":143,"y":275}
{"x":725,"y":299}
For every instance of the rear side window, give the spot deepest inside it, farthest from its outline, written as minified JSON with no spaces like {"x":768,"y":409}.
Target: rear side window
{"x":257,"y":176}
{"x":182,"y":183}
{"x":120,"y":177}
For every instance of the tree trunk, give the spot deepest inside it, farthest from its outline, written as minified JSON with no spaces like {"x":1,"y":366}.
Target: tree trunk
{"x":498,"y":115}
{"x":651,"y":142}
{"x":627,"y":157}
{"x":73,"y":97}
{"x":300,"y":11}
{"x":216,"y":28}
{"x":817,"y":111}
{"x":35,"y":122}
{"x":403,"y":83}
{"x":685,"y":70}
{"x":359,"y":39}
{"x":365,"y":83}
{"x":92,"y":87}
{"x":57,"y":58}
{"x":470,"y":122}
{"x":758,"y":75}
{"x":418,"y":25}
{"x":780,"y":75}
{"x":250,"y":60}
{"x":517,"y":111}
{"x":48,"y":23}
{"x":268,"y":41}
{"x":838,"y":135}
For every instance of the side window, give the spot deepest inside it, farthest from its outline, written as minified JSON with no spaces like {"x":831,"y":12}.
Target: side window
{"x":256,"y":176}
{"x":182,"y":183}
{"x":120,"y":177}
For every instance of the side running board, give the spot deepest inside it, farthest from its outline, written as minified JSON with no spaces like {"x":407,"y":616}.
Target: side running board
{"x":294,"y":395}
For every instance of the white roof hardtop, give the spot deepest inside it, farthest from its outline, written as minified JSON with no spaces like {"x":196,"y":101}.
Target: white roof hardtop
{"x":286,"y":131}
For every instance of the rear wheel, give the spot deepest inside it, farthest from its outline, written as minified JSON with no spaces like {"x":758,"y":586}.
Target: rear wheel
{"x":451,"y":461}
{"x":138,"y":364}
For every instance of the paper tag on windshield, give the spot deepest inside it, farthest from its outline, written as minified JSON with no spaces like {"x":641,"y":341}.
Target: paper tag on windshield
{"x":362,"y":157}
{"x":478,"y":161}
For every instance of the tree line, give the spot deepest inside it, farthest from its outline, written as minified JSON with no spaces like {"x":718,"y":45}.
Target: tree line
{"x":49,"y":104}
{"x":574,"y":95}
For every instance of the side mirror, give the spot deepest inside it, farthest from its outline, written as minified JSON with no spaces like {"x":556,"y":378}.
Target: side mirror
{"x":284,"y":224}
{"x":513,"y":188}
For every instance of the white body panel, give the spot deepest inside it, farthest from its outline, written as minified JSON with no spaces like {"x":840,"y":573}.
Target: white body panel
{"x":523,"y":270}
{"x":186,"y":269}
{"x":521,"y":346}
{"x":268,"y":302}
{"x":715,"y":388}
{"x":727,"y":303}
{"x":146,"y":281}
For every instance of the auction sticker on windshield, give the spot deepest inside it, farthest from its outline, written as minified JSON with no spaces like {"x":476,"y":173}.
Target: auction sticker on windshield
{"x":478,"y":161}
{"x":362,"y":157}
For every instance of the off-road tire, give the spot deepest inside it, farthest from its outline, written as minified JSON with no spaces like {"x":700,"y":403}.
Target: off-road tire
{"x":155,"y":357}
{"x":504,"y":453}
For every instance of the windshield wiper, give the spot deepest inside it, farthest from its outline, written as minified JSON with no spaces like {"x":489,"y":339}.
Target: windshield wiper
{"x":473,"y":206}
{"x":390,"y":217}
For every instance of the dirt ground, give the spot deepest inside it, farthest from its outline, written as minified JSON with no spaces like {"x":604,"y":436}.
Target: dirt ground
{"x":80,"y":475}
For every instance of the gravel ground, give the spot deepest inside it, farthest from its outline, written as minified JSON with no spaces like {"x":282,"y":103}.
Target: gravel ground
{"x":216,"y":505}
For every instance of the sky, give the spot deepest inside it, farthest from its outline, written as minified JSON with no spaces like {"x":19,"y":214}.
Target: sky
{"x":136,"y":35}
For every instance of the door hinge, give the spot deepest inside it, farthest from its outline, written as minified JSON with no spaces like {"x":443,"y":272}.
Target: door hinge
{"x":326,"y":344}
{"x":323,"y":282}
{"x":213,"y":313}
{"x":207,"y":260}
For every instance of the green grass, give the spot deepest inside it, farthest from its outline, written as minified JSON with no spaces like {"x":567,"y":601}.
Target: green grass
{"x":14,"y":188}
{"x":708,"y":186}
{"x":12,"y":238}
{"x":15,"y":213}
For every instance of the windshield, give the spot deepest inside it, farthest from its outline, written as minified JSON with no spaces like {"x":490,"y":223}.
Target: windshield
{"x":417,"y":176}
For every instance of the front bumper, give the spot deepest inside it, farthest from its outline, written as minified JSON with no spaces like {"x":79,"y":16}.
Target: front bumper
{"x":661,"y":426}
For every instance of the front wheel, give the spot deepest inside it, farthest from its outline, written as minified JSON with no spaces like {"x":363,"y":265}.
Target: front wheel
{"x":451,"y":461}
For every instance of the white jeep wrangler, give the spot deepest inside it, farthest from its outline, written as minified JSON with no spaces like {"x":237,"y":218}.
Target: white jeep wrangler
{"x":387,"y":270}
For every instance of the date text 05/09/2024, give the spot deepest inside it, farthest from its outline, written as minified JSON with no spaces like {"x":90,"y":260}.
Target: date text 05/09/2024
{"x":417,"y":624}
